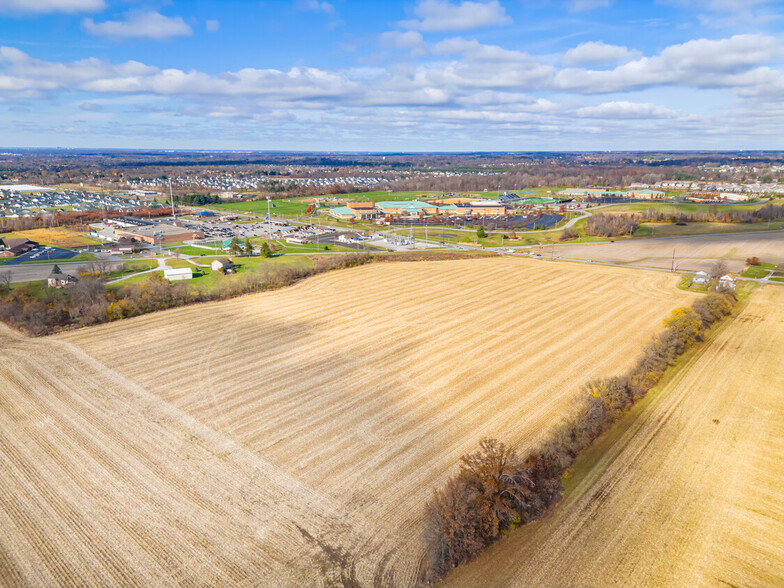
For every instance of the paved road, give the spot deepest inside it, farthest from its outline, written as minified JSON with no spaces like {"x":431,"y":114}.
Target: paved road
{"x":38,"y":271}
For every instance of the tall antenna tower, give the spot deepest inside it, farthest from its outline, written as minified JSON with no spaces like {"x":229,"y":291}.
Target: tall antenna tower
{"x":171,"y":197}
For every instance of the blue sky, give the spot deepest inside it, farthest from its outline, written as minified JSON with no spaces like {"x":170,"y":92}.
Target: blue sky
{"x":418,"y":75}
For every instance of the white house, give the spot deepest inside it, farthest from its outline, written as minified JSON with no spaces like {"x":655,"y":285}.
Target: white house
{"x":701,"y":278}
{"x":178,"y":273}
{"x":726,"y":282}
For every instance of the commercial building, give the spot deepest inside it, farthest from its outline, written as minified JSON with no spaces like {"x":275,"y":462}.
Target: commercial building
{"x":159,"y":233}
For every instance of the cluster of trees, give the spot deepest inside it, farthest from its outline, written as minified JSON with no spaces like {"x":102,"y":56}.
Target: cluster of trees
{"x":89,"y":301}
{"x":236,"y":247}
{"x":611,"y":225}
{"x":496,"y":489}
{"x":196,"y":199}
{"x":569,"y":234}
{"x":714,"y":214}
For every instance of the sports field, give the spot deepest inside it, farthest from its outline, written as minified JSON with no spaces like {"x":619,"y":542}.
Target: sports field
{"x":691,"y":495}
{"x":293,"y":437}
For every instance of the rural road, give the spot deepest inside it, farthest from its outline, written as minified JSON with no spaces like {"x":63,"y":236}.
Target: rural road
{"x":38,"y":271}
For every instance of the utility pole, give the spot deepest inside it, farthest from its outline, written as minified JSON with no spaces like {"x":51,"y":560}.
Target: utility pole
{"x":672,"y":265}
{"x":269,"y":225}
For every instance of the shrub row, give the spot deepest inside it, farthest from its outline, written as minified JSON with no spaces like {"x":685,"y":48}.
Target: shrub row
{"x":496,"y":489}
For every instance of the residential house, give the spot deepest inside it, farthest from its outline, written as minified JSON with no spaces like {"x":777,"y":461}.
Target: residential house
{"x":57,"y":279}
{"x":224,"y":264}
{"x":726,"y":282}
{"x":701,"y":278}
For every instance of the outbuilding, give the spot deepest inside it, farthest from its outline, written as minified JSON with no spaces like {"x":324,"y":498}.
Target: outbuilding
{"x":178,"y":273}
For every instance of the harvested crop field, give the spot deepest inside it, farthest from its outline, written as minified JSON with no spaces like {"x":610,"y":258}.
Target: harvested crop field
{"x":698,"y":252}
{"x":292,"y":437}
{"x":691,"y":495}
{"x":57,"y":237}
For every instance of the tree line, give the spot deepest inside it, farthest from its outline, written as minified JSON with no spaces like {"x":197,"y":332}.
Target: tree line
{"x":714,"y":214}
{"x":78,"y":219}
{"x":496,"y":489}
{"x":89,"y":301}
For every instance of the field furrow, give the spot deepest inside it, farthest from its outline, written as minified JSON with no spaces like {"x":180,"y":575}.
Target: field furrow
{"x":692,"y":493}
{"x":366,"y":385}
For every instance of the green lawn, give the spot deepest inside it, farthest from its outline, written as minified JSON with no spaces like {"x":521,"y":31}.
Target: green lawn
{"x":191,"y":250}
{"x":289,"y":248}
{"x":687,"y":284}
{"x":130,"y":267}
{"x":282,"y":207}
{"x":758,"y":271}
{"x":678,"y":207}
{"x":674,"y":230}
{"x":210,"y":279}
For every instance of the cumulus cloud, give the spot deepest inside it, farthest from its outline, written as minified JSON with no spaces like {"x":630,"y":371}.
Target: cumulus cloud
{"x":598,"y":53}
{"x":212,"y":25}
{"x":626,"y":110}
{"x":473,"y":50}
{"x":49,"y":6}
{"x":701,"y":63}
{"x":152,"y":25}
{"x":443,"y":15}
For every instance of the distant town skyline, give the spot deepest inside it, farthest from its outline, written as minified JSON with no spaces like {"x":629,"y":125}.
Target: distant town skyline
{"x":419,"y":75}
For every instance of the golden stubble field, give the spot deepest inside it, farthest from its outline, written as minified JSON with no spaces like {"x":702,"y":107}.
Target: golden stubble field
{"x":292,"y":437}
{"x":691,"y":495}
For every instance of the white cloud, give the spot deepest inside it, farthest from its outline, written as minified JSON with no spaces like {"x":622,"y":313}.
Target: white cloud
{"x":49,"y":6}
{"x":152,"y":25}
{"x":585,"y":5}
{"x":473,"y":50}
{"x":701,"y":63}
{"x":410,"y":40}
{"x":626,"y":110}
{"x":212,"y":25}
{"x":443,"y":15}
{"x":722,"y":5}
{"x":598,"y":53}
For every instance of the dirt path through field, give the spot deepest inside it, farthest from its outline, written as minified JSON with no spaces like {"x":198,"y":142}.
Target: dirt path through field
{"x":692,"y":494}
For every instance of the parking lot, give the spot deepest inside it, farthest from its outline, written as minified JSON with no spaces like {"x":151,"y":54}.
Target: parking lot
{"x":43,"y":254}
